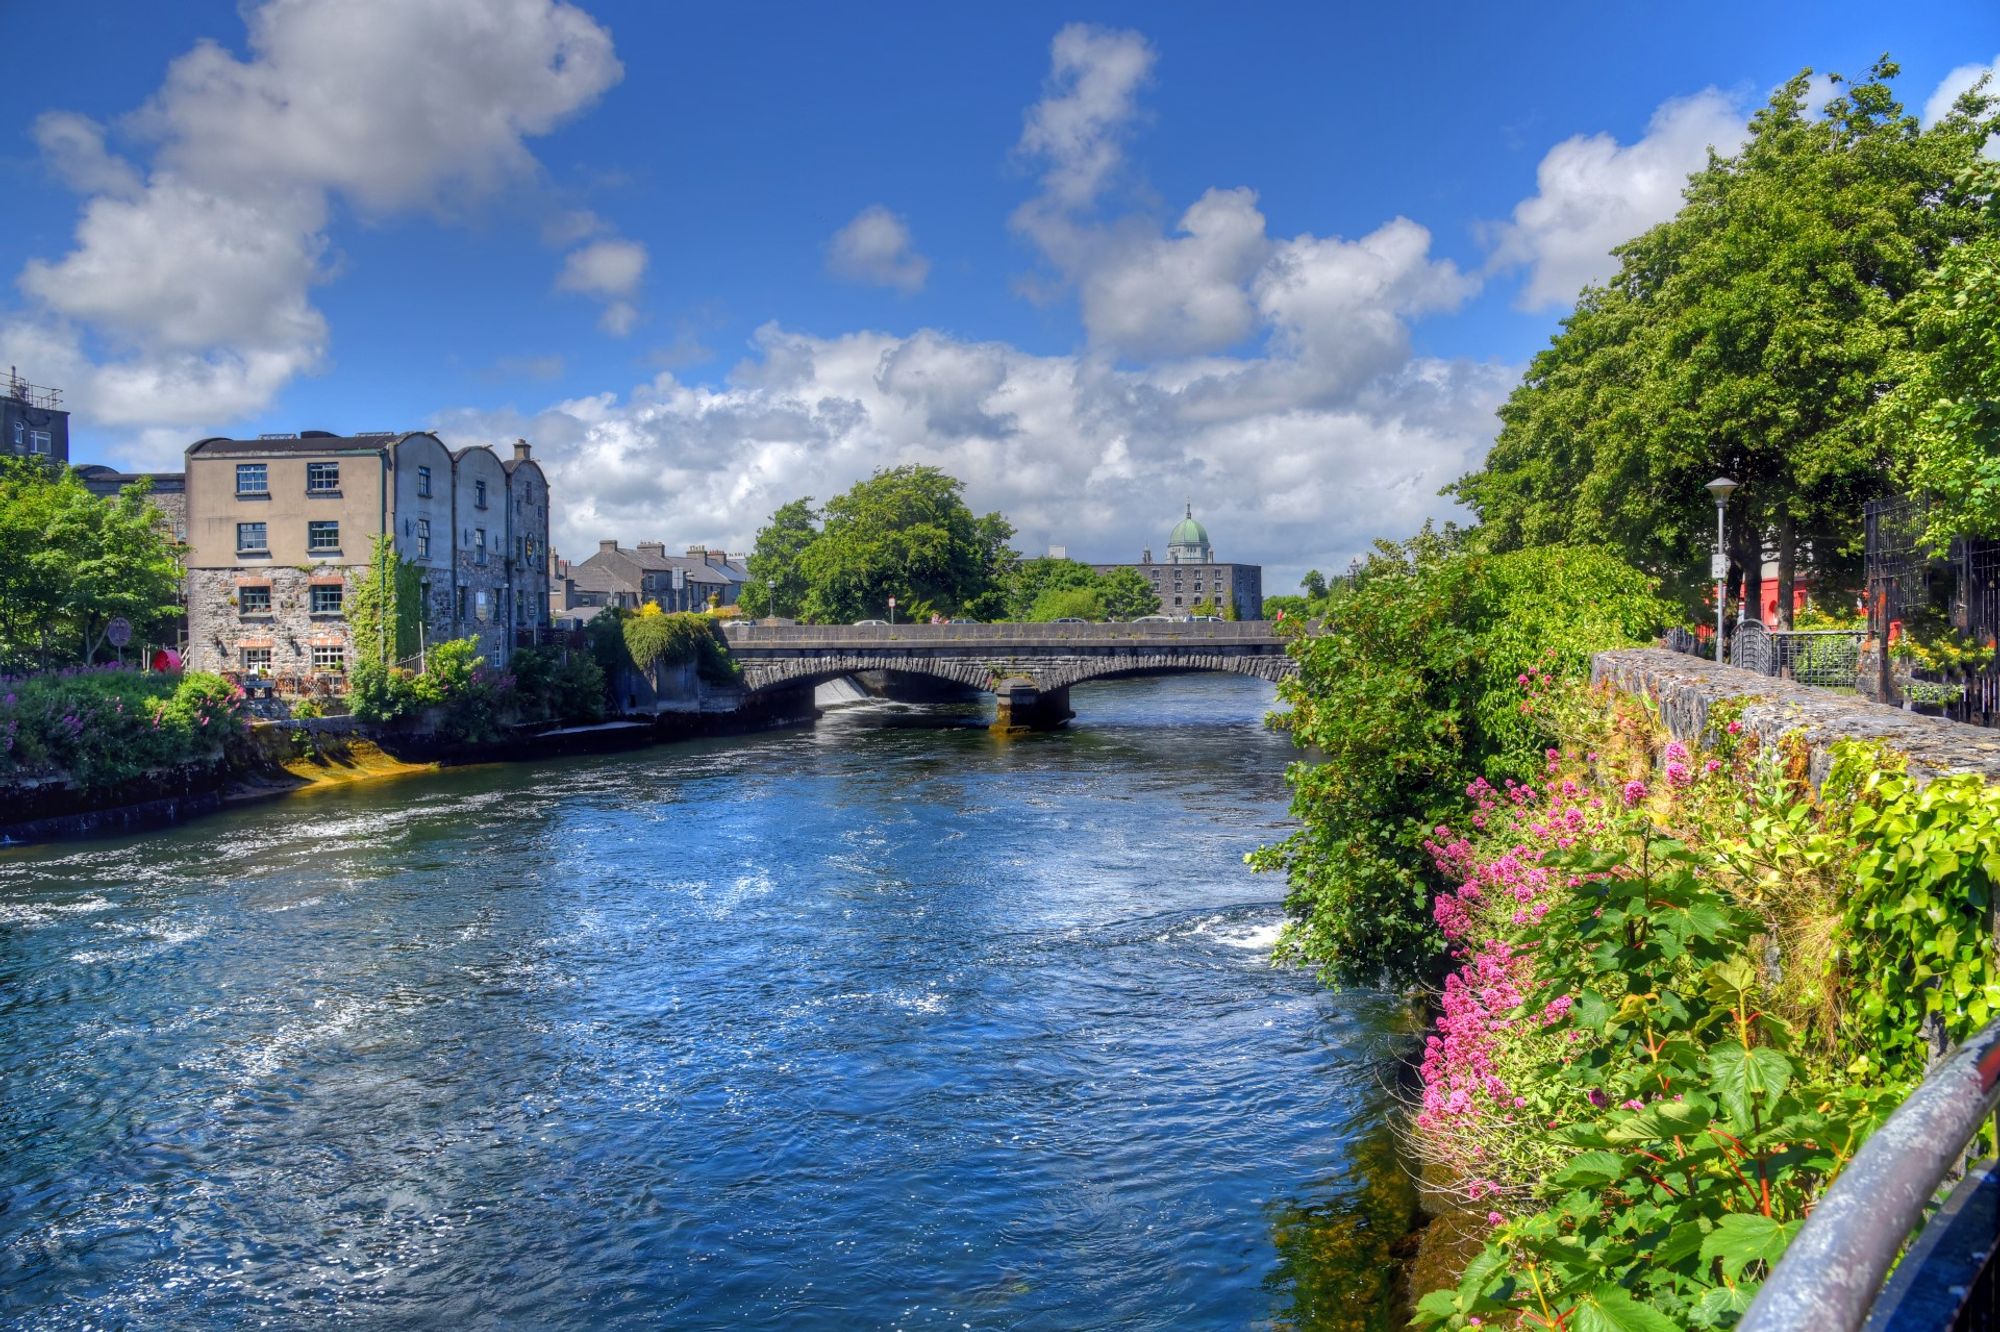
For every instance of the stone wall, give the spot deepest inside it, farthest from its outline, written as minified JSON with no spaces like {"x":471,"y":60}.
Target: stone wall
{"x":219,"y":630}
{"x":1684,"y":688}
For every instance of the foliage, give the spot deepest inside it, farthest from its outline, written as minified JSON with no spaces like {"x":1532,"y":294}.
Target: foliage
{"x":1410,"y":693}
{"x":1030,"y":579}
{"x":1313,"y":585}
{"x":99,"y":728}
{"x":553,"y":685}
{"x":385,"y":607}
{"x":654,"y":637}
{"x":776,"y":586}
{"x":1683,"y":1002}
{"x":70,"y":562}
{"x":1938,"y":647}
{"x":1751,"y":335}
{"x":904,"y":532}
{"x":1933,"y":693}
{"x":1948,"y":406}
{"x":1127,"y":595}
{"x":307,"y":709}
{"x":1056,"y":603}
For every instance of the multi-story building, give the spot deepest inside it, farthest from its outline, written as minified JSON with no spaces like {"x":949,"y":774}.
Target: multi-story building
{"x":1192,"y":574}
{"x":631,"y":578}
{"x":280,"y":527}
{"x":165,"y":491}
{"x":33,"y":423}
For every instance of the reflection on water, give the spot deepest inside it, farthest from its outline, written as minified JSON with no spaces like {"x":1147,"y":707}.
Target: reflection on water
{"x":891,"y":1025}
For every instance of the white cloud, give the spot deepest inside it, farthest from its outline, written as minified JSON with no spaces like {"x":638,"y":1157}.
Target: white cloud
{"x":876,"y":248}
{"x":1091,"y":97}
{"x":185,"y":300}
{"x":604,"y":268}
{"x":1594,"y":193}
{"x":1956,"y":84}
{"x":1144,"y":293}
{"x":74,"y":147}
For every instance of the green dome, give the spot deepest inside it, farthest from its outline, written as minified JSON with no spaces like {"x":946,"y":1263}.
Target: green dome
{"x":1188,"y":532}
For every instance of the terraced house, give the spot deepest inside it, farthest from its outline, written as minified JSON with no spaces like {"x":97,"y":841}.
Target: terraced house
{"x":280,"y":527}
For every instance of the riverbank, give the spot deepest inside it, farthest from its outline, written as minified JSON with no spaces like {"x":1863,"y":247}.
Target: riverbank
{"x":278,"y":758}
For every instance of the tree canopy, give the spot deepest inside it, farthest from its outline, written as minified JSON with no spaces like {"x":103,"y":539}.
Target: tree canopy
{"x":1752,"y":334}
{"x":71,"y":562}
{"x":904,"y":532}
{"x":776,"y":585}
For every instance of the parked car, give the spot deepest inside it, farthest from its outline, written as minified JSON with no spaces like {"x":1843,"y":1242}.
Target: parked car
{"x":1069,"y":619}
{"x":1154,"y":619}
{"x":1207,"y":619}
{"x":863,"y":624}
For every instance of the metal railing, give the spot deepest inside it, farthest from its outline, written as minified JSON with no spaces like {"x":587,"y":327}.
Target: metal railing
{"x":1825,"y":657}
{"x":1831,"y":1277}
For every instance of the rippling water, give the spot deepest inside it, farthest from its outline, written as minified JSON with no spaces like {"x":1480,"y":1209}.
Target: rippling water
{"x":882,"y":1024}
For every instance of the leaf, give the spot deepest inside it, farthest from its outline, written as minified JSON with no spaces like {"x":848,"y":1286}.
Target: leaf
{"x":1684,"y":1241}
{"x":1480,"y":1272}
{"x":1439,"y":1304}
{"x":1740,"y":1239}
{"x":1593,"y":1168}
{"x":1746,"y":1079}
{"x":1719,"y":1302}
{"x":1612,"y":1309}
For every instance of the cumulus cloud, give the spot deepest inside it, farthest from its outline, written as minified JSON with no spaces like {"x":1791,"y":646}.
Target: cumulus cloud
{"x":876,"y":248}
{"x":1955,"y":85}
{"x":1594,"y":193}
{"x":185,"y":299}
{"x":1091,"y":98}
{"x":609,"y":270}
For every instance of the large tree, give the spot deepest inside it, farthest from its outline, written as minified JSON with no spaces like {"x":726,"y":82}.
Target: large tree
{"x":71,"y":562}
{"x":776,"y":585}
{"x":904,"y":532}
{"x":1751,"y":335}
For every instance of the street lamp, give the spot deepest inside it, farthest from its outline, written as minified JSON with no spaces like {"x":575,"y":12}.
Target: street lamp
{"x":1718,"y":566}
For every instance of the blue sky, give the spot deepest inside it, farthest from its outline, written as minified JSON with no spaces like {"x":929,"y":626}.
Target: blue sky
{"x":712,"y":257}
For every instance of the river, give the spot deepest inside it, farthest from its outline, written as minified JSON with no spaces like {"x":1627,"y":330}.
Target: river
{"x":886,"y":1023}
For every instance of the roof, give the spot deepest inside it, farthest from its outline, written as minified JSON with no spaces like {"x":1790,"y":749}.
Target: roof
{"x":306,"y":441}
{"x":1188,"y":532}
{"x":97,"y":474}
{"x":597,"y":578}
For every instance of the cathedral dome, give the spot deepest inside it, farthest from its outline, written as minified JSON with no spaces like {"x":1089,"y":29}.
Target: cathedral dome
{"x":1188,"y":532}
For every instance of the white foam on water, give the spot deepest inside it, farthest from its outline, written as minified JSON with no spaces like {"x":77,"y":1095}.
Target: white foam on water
{"x":34,"y":915}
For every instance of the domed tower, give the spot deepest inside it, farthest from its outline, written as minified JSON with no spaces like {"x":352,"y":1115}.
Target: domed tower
{"x":1188,"y":542}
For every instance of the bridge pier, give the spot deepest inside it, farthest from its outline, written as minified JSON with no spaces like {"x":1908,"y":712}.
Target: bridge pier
{"x":1022,"y":706}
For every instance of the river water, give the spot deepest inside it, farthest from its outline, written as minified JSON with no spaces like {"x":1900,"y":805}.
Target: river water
{"x":887,"y":1023}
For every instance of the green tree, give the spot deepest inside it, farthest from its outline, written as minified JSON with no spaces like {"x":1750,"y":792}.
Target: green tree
{"x":1058,"y":603}
{"x":776,"y":585}
{"x":1030,"y":578}
{"x":1948,"y":406}
{"x":1313,"y":585}
{"x":1409,"y":694}
{"x":1128,"y":595}
{"x":71,"y":562}
{"x":904,"y":532}
{"x":1749,"y":335}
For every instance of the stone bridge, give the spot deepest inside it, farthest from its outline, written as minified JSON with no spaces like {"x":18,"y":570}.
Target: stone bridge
{"x":1029,"y":668}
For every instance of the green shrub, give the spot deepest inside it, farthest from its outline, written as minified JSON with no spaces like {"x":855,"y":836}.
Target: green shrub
{"x":1085,"y":603}
{"x":101,"y":727}
{"x":1412,"y":691}
{"x":652,"y":637}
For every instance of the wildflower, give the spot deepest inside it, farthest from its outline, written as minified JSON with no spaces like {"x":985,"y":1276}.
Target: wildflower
{"x":1634,"y":792}
{"x":1678,"y":775}
{"x":1713,"y":765}
{"x":1677,"y":752}
{"x":1492,"y":1219}
{"x":1734,"y":728}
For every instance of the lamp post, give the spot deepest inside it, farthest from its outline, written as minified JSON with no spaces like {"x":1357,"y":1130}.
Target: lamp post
{"x":1718,"y":566}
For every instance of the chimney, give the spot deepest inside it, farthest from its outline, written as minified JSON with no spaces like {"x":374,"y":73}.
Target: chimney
{"x":608,"y":547}
{"x":657,"y":549}
{"x":1146,"y":555}
{"x":520,"y":450}
{"x":698,"y":552}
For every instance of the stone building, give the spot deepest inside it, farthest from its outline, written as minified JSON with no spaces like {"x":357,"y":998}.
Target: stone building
{"x":166,"y":491}
{"x":280,"y":527}
{"x":1192,"y":574}
{"x":33,"y":423}
{"x":615,"y":576}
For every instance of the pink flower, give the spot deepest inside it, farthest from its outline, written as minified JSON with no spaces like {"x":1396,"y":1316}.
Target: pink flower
{"x":1634,"y":792}
{"x":1678,"y":775}
{"x":1713,"y":765}
{"x":1734,"y":728}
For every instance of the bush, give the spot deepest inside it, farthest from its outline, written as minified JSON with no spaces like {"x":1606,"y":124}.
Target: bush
{"x":551,"y":686}
{"x":1085,"y":603}
{"x":653,"y":637}
{"x":101,"y":727}
{"x":1412,"y":691}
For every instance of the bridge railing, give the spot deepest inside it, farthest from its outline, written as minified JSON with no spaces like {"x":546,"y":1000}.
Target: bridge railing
{"x":1830,"y":1279}
{"x":1014,"y":635}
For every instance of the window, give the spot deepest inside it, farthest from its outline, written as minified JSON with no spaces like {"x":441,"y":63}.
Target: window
{"x":479,"y":548}
{"x":326,"y":598}
{"x":323,"y":535}
{"x":251,"y":539}
{"x":40,"y":441}
{"x":323,"y":478}
{"x":458,"y":606}
{"x":479,"y":604}
{"x":478,"y":494}
{"x":257,"y":661}
{"x":253,"y":600}
{"x":329,"y":657}
{"x":253,"y":479}
{"x":423,"y":483}
{"x":423,"y":538}
{"x":20,"y":435}
{"x":1177,"y":601}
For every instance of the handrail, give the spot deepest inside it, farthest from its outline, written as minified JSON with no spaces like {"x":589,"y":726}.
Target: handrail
{"x":1832,"y":1273}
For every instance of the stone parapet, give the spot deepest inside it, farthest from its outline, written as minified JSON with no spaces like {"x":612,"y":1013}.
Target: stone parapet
{"x":1685,"y":688}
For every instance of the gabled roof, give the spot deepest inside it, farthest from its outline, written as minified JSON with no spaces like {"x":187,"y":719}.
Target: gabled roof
{"x":305,"y":442}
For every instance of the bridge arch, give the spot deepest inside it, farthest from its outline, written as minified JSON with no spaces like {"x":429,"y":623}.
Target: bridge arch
{"x":1048,"y":676}
{"x":809,"y":672}
{"x":1084,"y":670}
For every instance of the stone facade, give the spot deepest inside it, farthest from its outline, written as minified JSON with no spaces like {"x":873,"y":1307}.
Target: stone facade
{"x":1192,"y":574}
{"x":279,"y":529}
